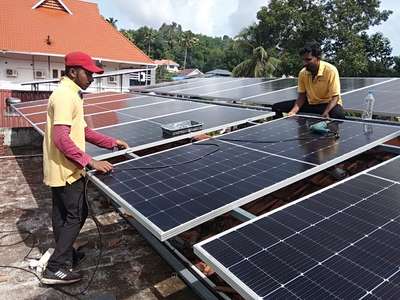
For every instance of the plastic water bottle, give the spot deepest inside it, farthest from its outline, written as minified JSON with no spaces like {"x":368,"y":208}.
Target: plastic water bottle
{"x":369,"y":106}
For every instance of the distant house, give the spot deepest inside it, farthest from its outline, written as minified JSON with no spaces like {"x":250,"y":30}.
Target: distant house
{"x":169,"y":65}
{"x":187,"y":73}
{"x":219,"y":72}
{"x":36,"y":35}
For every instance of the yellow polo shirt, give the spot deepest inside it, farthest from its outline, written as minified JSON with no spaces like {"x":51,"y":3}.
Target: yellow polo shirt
{"x":65,"y":107}
{"x":324,"y":86}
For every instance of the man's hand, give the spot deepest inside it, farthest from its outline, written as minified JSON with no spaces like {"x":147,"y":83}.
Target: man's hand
{"x":325,"y":115}
{"x":101,"y":166}
{"x":293,"y":111}
{"x":121,"y":144}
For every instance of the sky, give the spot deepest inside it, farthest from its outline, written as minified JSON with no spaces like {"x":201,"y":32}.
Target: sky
{"x":214,"y":17}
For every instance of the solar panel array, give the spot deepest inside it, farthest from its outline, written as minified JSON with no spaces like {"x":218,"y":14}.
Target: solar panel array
{"x":268,"y":92}
{"x":340,"y":243}
{"x":249,"y":89}
{"x":173,"y":191}
{"x":138,"y":119}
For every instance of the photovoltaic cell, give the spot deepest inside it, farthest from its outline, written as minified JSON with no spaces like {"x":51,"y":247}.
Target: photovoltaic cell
{"x":191,"y":83}
{"x":288,"y":91}
{"x":138,"y":119}
{"x":389,"y":171}
{"x":178,"y":197}
{"x":250,"y":92}
{"x":147,"y":133}
{"x":256,"y":91}
{"x":386,"y":97}
{"x":174,"y":196}
{"x":342,"y":242}
{"x":207,"y":85}
{"x":309,"y":147}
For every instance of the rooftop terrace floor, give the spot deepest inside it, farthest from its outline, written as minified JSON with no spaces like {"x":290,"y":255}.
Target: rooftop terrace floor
{"x":129,"y":269}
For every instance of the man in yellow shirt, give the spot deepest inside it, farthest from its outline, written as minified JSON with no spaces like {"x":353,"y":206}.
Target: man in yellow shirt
{"x":64,"y":160}
{"x":318,"y":88}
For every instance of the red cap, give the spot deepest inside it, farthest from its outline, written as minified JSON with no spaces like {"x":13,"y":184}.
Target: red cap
{"x":80,"y":59}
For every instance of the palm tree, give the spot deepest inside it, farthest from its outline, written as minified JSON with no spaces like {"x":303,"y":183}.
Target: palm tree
{"x":188,"y":41}
{"x":149,"y":35}
{"x":260,"y":63}
{"x":112,"y":21}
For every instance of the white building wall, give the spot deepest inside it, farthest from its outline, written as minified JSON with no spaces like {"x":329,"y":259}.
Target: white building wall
{"x":26,"y":67}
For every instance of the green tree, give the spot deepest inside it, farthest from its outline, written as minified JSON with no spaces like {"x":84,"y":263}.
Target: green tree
{"x":378,"y":51}
{"x":348,"y":20}
{"x":260,"y":64}
{"x":188,"y":41}
{"x":396,"y":67}
{"x":338,"y":25}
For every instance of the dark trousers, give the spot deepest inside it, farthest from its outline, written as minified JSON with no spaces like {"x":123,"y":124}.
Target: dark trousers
{"x":68,"y":216}
{"x":284,"y":107}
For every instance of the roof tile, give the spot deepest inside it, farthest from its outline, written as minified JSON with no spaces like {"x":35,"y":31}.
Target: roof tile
{"x":53,"y":31}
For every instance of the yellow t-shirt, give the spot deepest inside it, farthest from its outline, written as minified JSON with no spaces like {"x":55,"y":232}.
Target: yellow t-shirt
{"x":324,"y":86}
{"x":65,"y":107}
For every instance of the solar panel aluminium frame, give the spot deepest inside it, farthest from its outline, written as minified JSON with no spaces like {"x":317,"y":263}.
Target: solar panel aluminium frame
{"x":160,"y":142}
{"x":224,"y":272}
{"x":165,"y":235}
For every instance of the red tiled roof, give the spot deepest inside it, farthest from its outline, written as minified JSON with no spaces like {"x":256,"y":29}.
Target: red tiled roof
{"x":54,"y":31}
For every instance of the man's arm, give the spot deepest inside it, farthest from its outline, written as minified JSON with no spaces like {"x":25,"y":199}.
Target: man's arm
{"x":330,"y":106}
{"x":65,"y":144}
{"x":102,"y":140}
{"x":301,"y":99}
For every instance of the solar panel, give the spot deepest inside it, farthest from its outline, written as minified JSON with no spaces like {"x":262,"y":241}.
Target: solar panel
{"x":172,"y":199}
{"x":138,"y":119}
{"x":340,"y":243}
{"x":186,"y":85}
{"x":229,"y":89}
{"x":312,"y":149}
{"x":269,"y":92}
{"x":288,"y":90}
{"x":147,"y":133}
{"x":389,"y":171}
{"x":386,"y":93}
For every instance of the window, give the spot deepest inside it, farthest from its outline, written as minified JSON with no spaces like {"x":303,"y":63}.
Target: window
{"x":112,"y":79}
{"x":40,"y":75}
{"x":62,"y":72}
{"x":55,"y":73}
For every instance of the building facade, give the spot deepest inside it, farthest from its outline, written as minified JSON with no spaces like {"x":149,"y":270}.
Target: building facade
{"x":36,"y":35}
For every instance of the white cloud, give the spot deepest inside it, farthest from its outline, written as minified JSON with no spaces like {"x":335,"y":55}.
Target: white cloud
{"x":213,"y":17}
{"x":210,"y":17}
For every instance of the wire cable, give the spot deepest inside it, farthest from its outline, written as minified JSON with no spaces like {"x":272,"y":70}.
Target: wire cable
{"x":100,"y":239}
{"x":218,"y":147}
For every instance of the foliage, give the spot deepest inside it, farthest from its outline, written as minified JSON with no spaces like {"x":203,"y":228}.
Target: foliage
{"x":260,"y":64}
{"x":270,"y":46}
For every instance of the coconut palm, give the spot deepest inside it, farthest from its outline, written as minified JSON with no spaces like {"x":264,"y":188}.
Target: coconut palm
{"x":149,"y":36}
{"x":188,"y":41}
{"x":260,"y":63}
